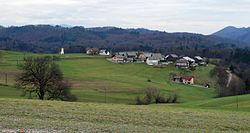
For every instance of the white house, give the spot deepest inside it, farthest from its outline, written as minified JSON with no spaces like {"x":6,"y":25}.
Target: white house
{"x":104,"y":52}
{"x":154,"y":59}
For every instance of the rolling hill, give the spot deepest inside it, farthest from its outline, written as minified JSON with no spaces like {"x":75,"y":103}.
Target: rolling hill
{"x":198,"y":109}
{"x":49,"y":39}
{"x":236,"y":34}
{"x":92,"y":75}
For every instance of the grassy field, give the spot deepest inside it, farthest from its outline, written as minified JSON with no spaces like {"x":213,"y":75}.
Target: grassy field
{"x":92,"y":76}
{"x":56,"y":116}
{"x":232,"y":103}
{"x":198,"y":110}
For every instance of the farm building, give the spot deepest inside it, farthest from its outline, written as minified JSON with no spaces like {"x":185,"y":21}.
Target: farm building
{"x":92,"y":51}
{"x":184,"y":79}
{"x":201,"y":61}
{"x":131,"y":56}
{"x":172,"y":57}
{"x":182,"y":63}
{"x":190,"y":60}
{"x":198,"y":58}
{"x":119,"y":59}
{"x":154,"y":59}
{"x":104,"y":52}
{"x":144,"y":56}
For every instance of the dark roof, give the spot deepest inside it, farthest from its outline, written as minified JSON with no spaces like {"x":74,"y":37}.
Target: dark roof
{"x":156,"y":56}
{"x":174,"y":55}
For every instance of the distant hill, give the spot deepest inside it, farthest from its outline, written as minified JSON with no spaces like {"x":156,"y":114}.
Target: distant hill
{"x":49,"y":39}
{"x":236,"y":34}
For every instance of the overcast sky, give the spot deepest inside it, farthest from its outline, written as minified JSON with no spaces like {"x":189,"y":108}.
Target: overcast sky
{"x":199,"y":16}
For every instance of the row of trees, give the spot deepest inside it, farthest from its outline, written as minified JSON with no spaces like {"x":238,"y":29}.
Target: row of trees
{"x":237,"y":63}
{"x":229,"y":83}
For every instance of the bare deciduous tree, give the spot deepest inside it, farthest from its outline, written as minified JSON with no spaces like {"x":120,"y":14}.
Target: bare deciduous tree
{"x":42,"y":76}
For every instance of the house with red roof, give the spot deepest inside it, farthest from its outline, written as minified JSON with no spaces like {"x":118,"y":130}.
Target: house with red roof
{"x":184,"y":79}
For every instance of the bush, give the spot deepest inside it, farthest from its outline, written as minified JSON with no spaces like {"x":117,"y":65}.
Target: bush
{"x":160,"y":99}
{"x":175,"y":98}
{"x":139,"y":101}
{"x":153,"y":95}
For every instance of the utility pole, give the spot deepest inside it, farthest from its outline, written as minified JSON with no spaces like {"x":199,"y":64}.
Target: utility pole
{"x":105,"y":95}
{"x":237,"y":100}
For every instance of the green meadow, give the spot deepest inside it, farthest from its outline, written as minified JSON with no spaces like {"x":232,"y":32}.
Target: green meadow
{"x":106,"y":95}
{"x":93,"y":78}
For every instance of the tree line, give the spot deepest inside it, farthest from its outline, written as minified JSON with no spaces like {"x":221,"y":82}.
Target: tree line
{"x":237,"y":63}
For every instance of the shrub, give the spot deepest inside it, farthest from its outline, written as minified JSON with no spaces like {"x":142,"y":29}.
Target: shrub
{"x":160,"y":99}
{"x":175,"y":98}
{"x":139,"y":101}
{"x":153,"y":95}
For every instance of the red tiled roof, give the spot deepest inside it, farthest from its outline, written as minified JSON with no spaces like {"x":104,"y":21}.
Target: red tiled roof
{"x":187,"y":77}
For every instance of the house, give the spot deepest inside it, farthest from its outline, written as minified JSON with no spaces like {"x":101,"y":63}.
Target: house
{"x":104,"y":52}
{"x":131,"y":56}
{"x":182,"y":63}
{"x":190,"y":60}
{"x":201,"y":61}
{"x":184,"y":79}
{"x":164,"y":62}
{"x":92,"y":51}
{"x":198,"y":59}
{"x":119,"y":59}
{"x":172,"y":57}
{"x":187,"y":79}
{"x":144,"y":56}
{"x":154,"y":59}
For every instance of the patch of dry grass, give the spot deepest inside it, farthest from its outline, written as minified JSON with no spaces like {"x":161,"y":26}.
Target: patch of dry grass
{"x":55,"y":116}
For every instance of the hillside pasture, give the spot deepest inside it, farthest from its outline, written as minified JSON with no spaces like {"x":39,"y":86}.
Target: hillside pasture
{"x":94,"y":79}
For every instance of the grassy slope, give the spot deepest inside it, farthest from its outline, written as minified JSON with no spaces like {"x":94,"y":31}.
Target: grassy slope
{"x":93,"y":117}
{"x":225,"y":103}
{"x":91,"y":75}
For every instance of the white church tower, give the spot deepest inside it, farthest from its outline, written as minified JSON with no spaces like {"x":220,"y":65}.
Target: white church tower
{"x":62,"y":51}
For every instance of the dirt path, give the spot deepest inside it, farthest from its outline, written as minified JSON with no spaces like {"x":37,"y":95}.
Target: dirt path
{"x":230,"y":75}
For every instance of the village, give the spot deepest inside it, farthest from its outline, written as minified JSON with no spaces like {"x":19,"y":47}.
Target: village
{"x":157,"y":60}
